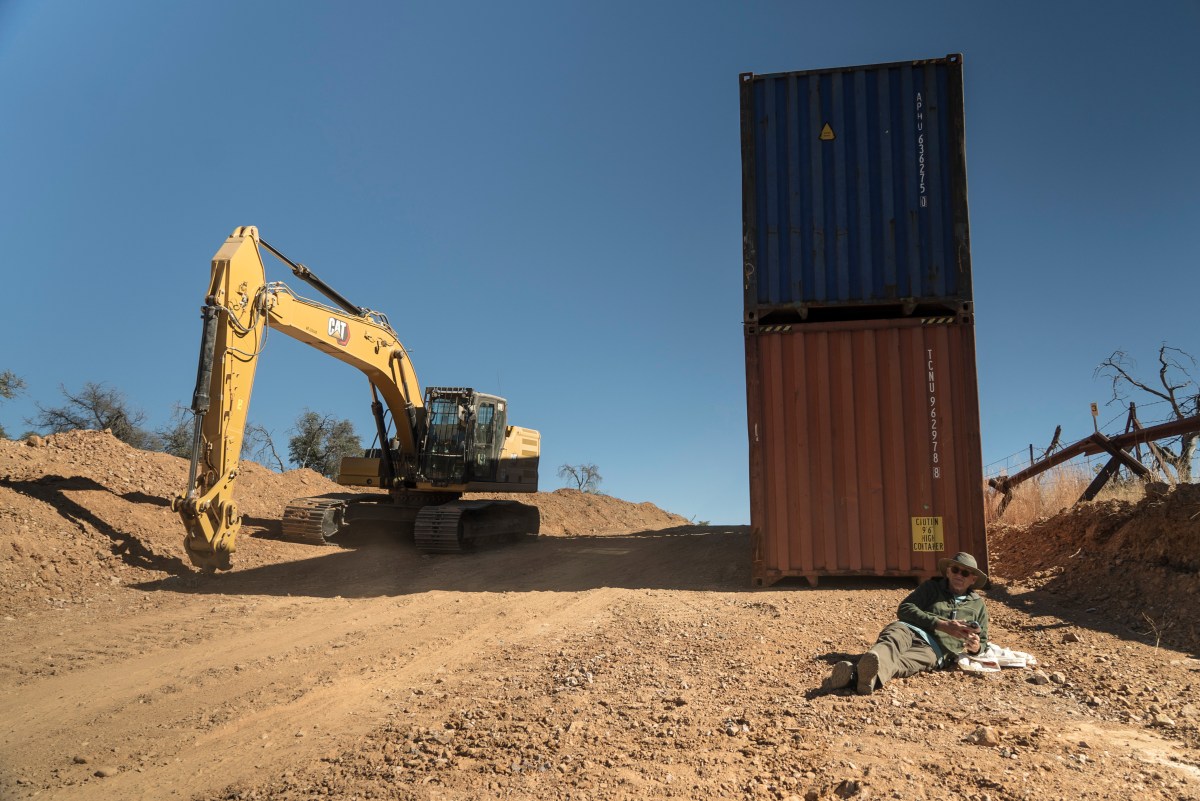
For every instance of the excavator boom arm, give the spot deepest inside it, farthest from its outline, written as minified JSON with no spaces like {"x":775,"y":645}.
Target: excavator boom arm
{"x":360,"y":342}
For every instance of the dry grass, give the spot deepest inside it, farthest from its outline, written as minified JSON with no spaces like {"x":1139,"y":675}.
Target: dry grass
{"x":1051,"y":493}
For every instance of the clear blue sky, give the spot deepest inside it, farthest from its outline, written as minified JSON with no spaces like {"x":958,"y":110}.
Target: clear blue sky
{"x":545,"y":199}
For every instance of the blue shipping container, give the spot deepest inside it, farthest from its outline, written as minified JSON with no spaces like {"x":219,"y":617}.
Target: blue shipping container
{"x":854,"y":192}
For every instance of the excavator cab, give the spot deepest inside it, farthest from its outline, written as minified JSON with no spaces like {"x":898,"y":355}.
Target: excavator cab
{"x":463,"y":437}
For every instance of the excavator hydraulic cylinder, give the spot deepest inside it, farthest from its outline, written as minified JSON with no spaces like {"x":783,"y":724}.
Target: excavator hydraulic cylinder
{"x":200,"y":398}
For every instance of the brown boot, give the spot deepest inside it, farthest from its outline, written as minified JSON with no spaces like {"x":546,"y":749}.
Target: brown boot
{"x":842,"y":676}
{"x":868,"y":671}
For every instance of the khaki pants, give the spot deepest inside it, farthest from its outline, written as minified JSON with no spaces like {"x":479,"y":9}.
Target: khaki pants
{"x":902,"y":653}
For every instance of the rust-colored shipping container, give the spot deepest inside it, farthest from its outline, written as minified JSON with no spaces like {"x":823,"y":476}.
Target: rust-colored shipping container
{"x":864,"y":447}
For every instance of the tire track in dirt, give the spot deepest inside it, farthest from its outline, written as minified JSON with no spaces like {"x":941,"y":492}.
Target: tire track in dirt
{"x":182,"y":699}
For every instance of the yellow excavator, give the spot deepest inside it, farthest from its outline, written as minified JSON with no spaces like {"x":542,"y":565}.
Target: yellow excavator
{"x":431,"y":448}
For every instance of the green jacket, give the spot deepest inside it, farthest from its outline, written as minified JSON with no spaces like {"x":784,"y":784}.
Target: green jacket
{"x":933,"y":601}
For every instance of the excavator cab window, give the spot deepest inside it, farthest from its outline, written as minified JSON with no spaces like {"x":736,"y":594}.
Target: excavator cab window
{"x":444,"y":456}
{"x":483,"y":445}
{"x":485,"y":433}
{"x":488,"y":437}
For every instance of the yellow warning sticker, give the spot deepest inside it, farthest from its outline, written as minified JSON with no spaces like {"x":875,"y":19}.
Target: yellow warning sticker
{"x":927,"y":534}
{"x":827,"y":133}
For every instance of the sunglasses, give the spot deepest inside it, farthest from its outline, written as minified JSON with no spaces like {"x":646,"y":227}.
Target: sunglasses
{"x":958,"y":571}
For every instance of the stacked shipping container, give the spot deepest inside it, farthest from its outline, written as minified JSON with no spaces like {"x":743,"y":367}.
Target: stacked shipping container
{"x":862,"y":396}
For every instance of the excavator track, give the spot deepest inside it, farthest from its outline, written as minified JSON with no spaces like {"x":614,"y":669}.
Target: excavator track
{"x":314,"y":520}
{"x":439,"y":529}
{"x":460,"y":525}
{"x":447,"y":527}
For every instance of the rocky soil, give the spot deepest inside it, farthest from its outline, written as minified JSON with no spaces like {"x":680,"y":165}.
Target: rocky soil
{"x":623,"y":654}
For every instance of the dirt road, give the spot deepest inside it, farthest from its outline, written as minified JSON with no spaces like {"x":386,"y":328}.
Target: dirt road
{"x":195,"y":683}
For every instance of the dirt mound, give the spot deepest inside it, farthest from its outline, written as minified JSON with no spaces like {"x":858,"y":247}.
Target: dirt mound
{"x":568,"y":512}
{"x":1138,"y":562}
{"x":82,"y":511}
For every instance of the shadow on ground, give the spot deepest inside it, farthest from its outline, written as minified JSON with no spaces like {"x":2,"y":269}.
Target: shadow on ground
{"x":373,"y":565}
{"x":691,"y":558}
{"x":53,"y":490}
{"x":1050,"y":611}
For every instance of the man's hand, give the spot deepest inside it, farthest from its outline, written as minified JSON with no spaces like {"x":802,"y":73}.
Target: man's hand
{"x":959,"y":629}
{"x":972,"y":642}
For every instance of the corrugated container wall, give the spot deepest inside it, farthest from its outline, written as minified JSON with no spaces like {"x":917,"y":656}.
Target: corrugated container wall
{"x":864,"y":447}
{"x":854,"y":192}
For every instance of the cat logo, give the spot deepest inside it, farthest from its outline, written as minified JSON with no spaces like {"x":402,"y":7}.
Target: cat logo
{"x":339,"y":330}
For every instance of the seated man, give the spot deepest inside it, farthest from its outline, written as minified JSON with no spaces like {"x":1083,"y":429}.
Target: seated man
{"x":939,"y":620}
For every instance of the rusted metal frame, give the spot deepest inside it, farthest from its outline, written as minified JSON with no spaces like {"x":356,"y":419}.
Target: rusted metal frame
{"x":1129,"y":426}
{"x":1155,"y":451}
{"x":1103,"y":477}
{"x":1119,"y":459}
{"x":1007,"y":484}
{"x":1174,"y":428}
{"x":1159,"y":459}
{"x":1053,"y":442}
{"x":1089,"y":447}
{"x":1148,"y":436}
{"x":1005,"y":500}
{"x":1119,"y":454}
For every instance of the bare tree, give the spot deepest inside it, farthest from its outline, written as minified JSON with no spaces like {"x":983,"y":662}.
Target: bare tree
{"x":176,"y":437}
{"x":96,"y":407}
{"x":260,"y":443}
{"x":1176,"y":386}
{"x":585,"y":477}
{"x":11,"y":385}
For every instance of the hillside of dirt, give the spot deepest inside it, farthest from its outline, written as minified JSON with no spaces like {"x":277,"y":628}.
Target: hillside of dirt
{"x":623,"y":654}
{"x":1136,"y":564}
{"x":82,"y":512}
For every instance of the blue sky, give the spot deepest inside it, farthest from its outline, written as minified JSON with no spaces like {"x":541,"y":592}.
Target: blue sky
{"x":545,"y":198}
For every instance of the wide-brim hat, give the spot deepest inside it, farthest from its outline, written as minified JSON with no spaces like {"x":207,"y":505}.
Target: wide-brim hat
{"x":964,"y":559}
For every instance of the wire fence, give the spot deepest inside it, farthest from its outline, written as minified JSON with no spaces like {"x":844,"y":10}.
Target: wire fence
{"x":1149,"y":414}
{"x":1019,"y":461}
